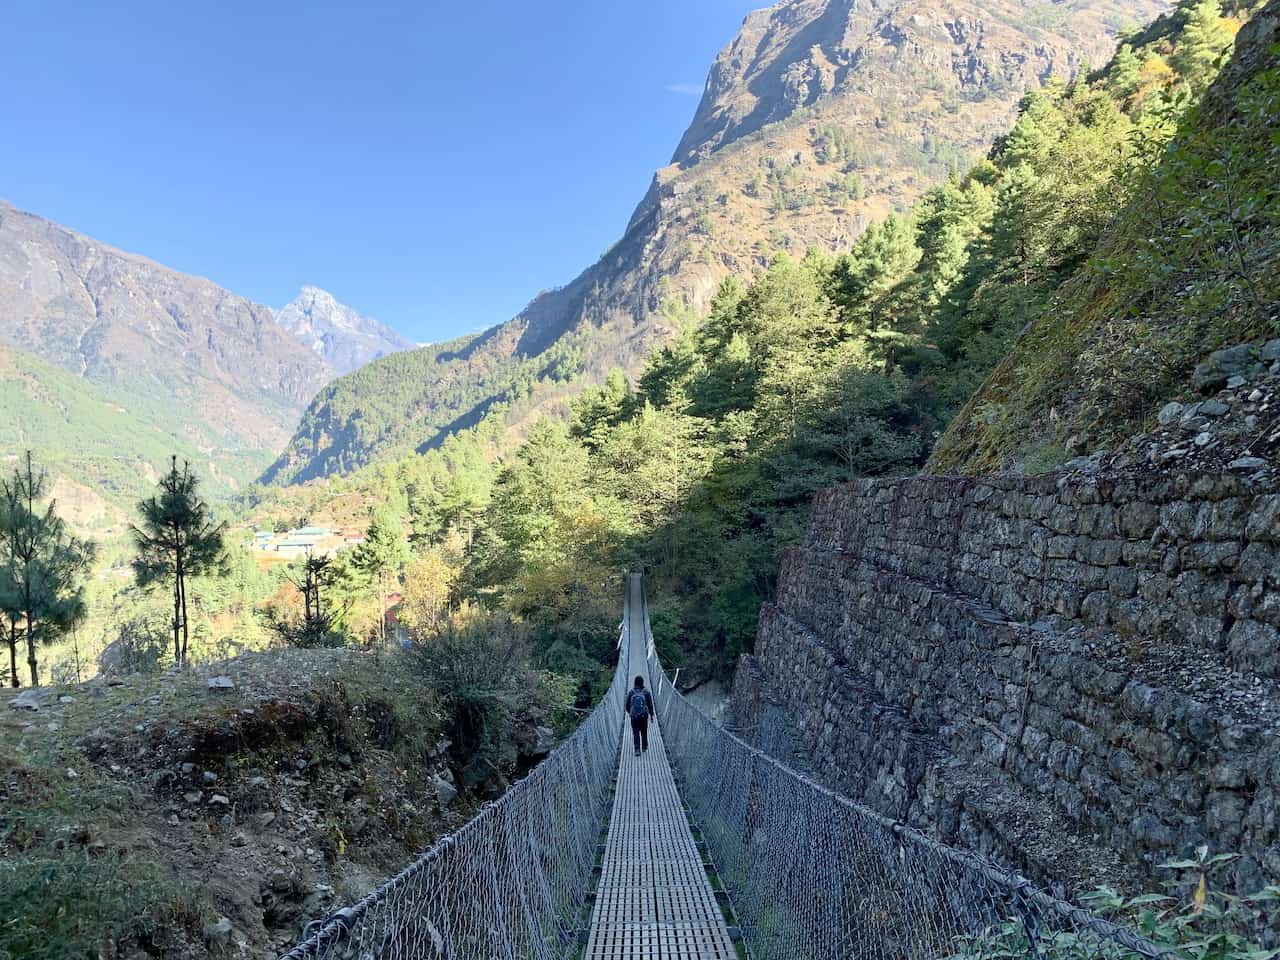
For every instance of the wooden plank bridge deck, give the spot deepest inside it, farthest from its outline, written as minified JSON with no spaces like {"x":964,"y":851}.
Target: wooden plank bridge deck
{"x":654,"y":900}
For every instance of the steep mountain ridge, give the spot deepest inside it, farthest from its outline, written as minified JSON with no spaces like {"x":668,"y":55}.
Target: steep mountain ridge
{"x":340,"y":335}
{"x":821,"y":117}
{"x":789,"y":56}
{"x":210,"y":371}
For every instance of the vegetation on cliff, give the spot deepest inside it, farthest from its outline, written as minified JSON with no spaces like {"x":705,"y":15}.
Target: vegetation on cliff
{"x":1187,"y":266}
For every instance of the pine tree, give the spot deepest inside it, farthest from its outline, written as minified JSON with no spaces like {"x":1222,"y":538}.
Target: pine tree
{"x":598,"y":411}
{"x":317,"y":626}
{"x":176,"y":540}
{"x":792,"y":324}
{"x":1204,"y":39}
{"x":381,"y":558}
{"x":40,"y":580}
{"x":863,"y":279}
{"x":1123,"y":77}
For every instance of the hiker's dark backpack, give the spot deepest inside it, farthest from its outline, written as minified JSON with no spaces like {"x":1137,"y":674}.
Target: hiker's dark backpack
{"x":638,"y":705}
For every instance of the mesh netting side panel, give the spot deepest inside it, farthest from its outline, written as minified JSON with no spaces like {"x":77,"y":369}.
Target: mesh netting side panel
{"x":512,"y":882}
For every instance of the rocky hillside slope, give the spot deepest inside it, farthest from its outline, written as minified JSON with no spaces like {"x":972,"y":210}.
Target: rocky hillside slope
{"x":820,"y":117}
{"x":344,"y":338}
{"x":161,"y":817}
{"x":172,"y":356}
{"x":1184,"y":278}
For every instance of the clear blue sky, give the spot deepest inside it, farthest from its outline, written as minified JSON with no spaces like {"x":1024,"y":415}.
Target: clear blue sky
{"x":432,"y":164}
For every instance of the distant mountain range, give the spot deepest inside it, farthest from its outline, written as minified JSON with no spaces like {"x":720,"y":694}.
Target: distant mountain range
{"x":820,"y":117}
{"x":111,"y":360}
{"x":342,"y":337}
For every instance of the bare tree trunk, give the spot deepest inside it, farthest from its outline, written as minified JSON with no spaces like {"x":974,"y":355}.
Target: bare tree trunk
{"x":31,"y":651}
{"x":382,"y":624}
{"x":177,"y":607}
{"x":28,"y":613}
{"x":75,"y":649}
{"x":179,"y":603}
{"x":182,"y":588}
{"x":13,"y":652}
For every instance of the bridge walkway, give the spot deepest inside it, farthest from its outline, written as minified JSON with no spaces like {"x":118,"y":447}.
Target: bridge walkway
{"x":654,"y":900}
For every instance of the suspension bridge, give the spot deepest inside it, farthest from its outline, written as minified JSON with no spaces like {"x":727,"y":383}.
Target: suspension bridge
{"x":703,"y":848}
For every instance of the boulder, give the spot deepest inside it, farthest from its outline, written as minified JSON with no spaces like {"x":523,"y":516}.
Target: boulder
{"x":1221,"y":366}
{"x":482,"y":777}
{"x":1169,"y":413}
{"x":32,"y":698}
{"x":1247,"y":463}
{"x":446,"y":792}
{"x":111,"y":658}
{"x":545,"y":743}
{"x":221,"y":684}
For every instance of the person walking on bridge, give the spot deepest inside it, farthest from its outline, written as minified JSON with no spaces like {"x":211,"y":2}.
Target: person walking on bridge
{"x":640,"y":709}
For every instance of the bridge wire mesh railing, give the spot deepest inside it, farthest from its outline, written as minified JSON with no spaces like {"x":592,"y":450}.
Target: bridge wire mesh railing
{"x":513,"y":881}
{"x":811,"y":874}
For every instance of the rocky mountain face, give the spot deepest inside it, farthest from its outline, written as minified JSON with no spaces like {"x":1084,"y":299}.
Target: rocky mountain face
{"x":207,"y":372}
{"x":820,"y":117}
{"x":790,"y":56}
{"x":341,"y":336}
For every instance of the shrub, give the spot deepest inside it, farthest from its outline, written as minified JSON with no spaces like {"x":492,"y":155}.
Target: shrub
{"x":1192,"y":920}
{"x":482,"y":672}
{"x":79,"y":906}
{"x":141,"y":645}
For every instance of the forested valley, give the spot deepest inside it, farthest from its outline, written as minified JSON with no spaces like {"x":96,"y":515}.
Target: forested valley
{"x":822,"y":369}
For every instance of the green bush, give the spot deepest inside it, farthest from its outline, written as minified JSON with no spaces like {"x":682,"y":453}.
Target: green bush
{"x":141,"y":645}
{"x":74,"y":906}
{"x":483,"y":674}
{"x":1192,"y":919}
